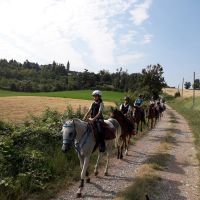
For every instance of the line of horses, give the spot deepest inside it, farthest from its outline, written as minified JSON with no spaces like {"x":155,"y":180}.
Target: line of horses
{"x":118,"y":130}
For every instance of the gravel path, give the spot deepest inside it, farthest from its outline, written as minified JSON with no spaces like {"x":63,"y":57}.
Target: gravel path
{"x":180,"y":180}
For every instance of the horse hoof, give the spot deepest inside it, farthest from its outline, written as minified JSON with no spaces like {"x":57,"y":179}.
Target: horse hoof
{"x":88,"y":180}
{"x":78,"y":195}
{"x":121,"y":157}
{"x":106,"y":174}
{"x":96,"y":173}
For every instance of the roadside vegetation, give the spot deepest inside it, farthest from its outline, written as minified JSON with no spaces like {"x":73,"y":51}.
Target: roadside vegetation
{"x":32,"y":165}
{"x":191,"y":114}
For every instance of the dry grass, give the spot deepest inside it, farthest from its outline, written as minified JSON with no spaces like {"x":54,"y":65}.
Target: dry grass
{"x":186,"y":93}
{"x":18,"y":108}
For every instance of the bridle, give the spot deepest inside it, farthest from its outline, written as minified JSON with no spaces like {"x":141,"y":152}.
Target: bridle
{"x":67,"y":140}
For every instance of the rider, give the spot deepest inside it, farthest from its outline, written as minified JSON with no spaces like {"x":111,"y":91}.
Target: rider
{"x":125,"y":107}
{"x":139,"y":101}
{"x":96,"y":116}
{"x":152,"y":101}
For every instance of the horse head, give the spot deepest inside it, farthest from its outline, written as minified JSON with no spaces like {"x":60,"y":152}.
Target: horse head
{"x":115,"y":113}
{"x":69,"y":135}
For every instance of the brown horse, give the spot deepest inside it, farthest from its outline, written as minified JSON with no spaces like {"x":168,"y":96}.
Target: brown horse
{"x":127,"y":130}
{"x":151,"y":115}
{"x":139,"y":117}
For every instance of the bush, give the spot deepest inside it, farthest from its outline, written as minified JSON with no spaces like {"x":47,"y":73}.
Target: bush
{"x":177,"y":94}
{"x":31,"y":156}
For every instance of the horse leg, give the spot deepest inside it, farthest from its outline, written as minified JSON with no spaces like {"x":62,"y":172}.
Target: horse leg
{"x":126,"y":148}
{"x":87,"y":177}
{"x":107,"y":163}
{"x":129,"y":141}
{"x":118,"y":152}
{"x":152,"y":123}
{"x":122,"y":147}
{"x":83,"y":174}
{"x":97,"y":164}
{"x":141,"y":125}
{"x":148,"y":122}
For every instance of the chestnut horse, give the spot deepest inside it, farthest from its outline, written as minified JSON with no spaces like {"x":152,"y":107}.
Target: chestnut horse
{"x":151,"y":115}
{"x":127,"y":130}
{"x":139,"y":117}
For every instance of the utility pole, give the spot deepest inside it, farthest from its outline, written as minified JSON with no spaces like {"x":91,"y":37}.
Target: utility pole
{"x":182,"y":87}
{"x":193,"y":90}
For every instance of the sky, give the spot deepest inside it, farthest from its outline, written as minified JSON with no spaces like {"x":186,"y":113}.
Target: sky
{"x":104,"y":34}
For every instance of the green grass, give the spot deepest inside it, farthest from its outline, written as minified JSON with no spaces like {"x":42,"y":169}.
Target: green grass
{"x":75,"y":94}
{"x":191,"y":114}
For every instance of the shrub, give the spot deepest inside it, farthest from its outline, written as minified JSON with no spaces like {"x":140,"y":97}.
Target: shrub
{"x":177,"y":94}
{"x":31,"y":156}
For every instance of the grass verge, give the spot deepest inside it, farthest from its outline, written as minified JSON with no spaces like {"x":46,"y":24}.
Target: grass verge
{"x":191,"y":114}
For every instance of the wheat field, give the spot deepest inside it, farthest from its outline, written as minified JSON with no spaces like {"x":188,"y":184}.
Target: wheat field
{"x":186,"y":93}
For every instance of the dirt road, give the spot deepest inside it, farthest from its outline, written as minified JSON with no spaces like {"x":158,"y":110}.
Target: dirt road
{"x":179,"y":180}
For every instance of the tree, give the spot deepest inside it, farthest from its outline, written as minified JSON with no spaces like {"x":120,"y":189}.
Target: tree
{"x":68,"y":66}
{"x":152,"y":80}
{"x":196,"y":84}
{"x":187,"y":85}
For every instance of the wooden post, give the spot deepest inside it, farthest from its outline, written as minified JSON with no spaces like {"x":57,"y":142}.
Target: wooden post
{"x":193,"y":91}
{"x":182,"y":87}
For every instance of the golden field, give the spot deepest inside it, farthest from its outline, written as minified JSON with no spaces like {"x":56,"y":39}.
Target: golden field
{"x":186,"y":93}
{"x":19,"y":108}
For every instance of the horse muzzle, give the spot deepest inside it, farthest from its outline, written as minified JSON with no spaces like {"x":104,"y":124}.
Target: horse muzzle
{"x":66,"y":147}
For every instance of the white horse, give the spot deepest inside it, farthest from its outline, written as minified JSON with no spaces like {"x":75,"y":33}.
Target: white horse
{"x":80,"y":134}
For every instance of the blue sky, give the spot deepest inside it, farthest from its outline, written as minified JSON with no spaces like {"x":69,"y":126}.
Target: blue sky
{"x":104,"y":34}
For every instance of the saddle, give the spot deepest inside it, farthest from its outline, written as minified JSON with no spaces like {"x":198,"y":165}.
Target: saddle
{"x":109,"y":132}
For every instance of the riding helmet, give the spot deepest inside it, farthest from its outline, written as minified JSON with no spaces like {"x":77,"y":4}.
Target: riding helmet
{"x":96,"y":93}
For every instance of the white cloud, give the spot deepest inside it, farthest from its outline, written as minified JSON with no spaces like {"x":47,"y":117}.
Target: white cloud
{"x":147,"y":39}
{"x":127,"y":59}
{"x":127,"y":38}
{"x":45,"y":30}
{"x":140,"y":12}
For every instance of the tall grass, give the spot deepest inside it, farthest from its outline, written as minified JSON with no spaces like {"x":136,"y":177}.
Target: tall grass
{"x":191,"y":114}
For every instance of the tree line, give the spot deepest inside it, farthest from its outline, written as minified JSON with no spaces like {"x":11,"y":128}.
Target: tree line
{"x":32,"y":77}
